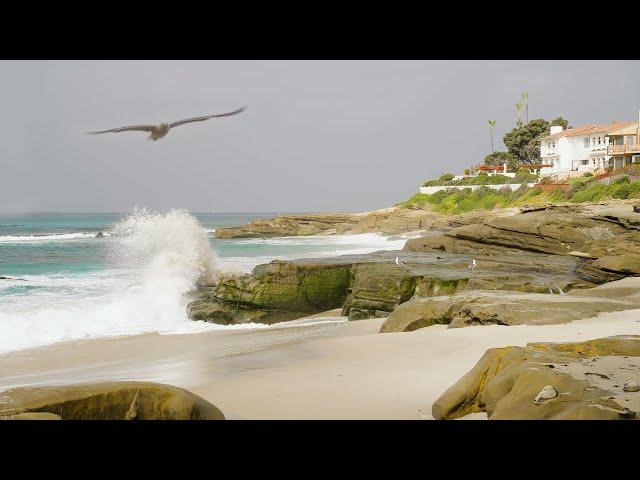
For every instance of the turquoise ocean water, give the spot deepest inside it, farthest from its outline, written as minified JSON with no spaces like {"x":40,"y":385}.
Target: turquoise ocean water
{"x":66,"y":281}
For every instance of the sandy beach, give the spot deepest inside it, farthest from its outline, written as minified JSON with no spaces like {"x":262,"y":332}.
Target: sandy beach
{"x":323,"y":367}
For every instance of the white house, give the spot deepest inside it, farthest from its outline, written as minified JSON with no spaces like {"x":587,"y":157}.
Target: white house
{"x":577,"y":150}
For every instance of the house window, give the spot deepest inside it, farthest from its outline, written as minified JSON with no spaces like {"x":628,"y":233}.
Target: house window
{"x":599,"y":140}
{"x":586,"y":143}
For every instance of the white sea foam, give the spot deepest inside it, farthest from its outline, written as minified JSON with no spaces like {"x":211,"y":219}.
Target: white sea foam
{"x":47,"y":237}
{"x":154,"y":261}
{"x":318,"y":246}
{"x":157,"y":260}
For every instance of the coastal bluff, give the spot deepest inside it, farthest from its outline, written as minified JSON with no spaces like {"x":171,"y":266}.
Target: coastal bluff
{"x":533,"y":250}
{"x":386,"y":221}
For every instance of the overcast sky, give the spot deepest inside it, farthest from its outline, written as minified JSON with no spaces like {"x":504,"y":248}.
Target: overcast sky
{"x":317,"y":135}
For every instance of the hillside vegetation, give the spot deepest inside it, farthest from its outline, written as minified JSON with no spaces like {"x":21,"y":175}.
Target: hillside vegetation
{"x":583,"y":189}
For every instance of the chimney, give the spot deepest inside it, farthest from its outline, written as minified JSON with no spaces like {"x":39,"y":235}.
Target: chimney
{"x":556,"y":129}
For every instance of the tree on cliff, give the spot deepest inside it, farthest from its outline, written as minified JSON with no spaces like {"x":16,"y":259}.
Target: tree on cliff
{"x":498,"y":158}
{"x":523,"y":142}
{"x":492,"y":123}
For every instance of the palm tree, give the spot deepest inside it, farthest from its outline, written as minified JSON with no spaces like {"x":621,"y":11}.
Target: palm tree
{"x":525,"y":97}
{"x":492,"y":123}
{"x":519,"y":110}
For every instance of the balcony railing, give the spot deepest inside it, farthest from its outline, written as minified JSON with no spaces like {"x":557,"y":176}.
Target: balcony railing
{"x":629,"y":148}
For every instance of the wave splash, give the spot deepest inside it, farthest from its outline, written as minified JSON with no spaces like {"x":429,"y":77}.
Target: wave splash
{"x":166,"y":245}
{"x":158,"y":257}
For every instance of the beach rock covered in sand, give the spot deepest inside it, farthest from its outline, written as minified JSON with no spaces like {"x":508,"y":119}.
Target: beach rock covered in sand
{"x":106,"y":401}
{"x":475,"y":307}
{"x":586,"y":376}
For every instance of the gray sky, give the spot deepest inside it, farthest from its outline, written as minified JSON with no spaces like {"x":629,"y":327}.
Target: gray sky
{"x":317,"y":136}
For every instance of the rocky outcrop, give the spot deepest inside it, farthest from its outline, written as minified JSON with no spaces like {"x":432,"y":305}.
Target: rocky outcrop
{"x":106,"y":401}
{"x":585,"y":231}
{"x":557,"y":247}
{"x":274,"y":292}
{"x":290,"y":225}
{"x":517,"y":383}
{"x":386,"y":221}
{"x":511,"y":308}
{"x":373,"y":285}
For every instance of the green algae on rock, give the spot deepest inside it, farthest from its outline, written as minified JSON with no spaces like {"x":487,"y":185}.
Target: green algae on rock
{"x":373,"y":285}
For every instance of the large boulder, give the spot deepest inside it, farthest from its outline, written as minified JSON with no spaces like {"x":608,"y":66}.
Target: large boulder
{"x":562,"y":381}
{"x":106,"y":401}
{"x":274,"y":292}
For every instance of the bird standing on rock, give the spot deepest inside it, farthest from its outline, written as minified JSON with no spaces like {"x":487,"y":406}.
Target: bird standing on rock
{"x":156,"y":132}
{"x":473,"y":264}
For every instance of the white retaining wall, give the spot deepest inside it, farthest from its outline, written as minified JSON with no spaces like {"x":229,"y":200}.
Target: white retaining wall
{"x":430,"y":190}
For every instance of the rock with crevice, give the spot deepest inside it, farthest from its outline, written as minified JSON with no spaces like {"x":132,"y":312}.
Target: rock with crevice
{"x":506,"y":382}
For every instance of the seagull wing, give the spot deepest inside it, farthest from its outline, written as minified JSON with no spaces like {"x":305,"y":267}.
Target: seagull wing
{"x":139,"y":128}
{"x":202,"y":119}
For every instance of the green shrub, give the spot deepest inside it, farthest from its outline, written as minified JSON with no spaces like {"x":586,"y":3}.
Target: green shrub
{"x":621,"y":181}
{"x":593,"y":193}
{"x":446,"y":177}
{"x":587,"y":174}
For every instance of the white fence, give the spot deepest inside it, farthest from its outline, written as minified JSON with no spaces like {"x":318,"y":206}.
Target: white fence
{"x":431,"y":190}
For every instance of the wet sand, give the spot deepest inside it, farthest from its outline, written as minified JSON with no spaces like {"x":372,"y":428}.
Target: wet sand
{"x":317,"y":370}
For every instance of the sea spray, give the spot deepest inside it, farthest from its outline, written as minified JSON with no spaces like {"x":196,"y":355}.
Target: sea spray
{"x":165,"y":245}
{"x":158,"y":259}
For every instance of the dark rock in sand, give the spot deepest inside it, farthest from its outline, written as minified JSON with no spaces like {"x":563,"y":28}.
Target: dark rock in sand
{"x":506,"y":382}
{"x":106,"y":401}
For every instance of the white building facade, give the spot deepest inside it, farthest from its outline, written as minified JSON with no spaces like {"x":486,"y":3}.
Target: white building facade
{"x":575,"y":151}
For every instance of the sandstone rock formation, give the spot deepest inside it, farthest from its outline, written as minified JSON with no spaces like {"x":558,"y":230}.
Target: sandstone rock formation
{"x":372,"y":285}
{"x":475,"y":307}
{"x":106,"y":401}
{"x":588,"y":378}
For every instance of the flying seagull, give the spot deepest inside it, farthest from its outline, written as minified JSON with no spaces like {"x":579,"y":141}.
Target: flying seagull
{"x":156,"y":132}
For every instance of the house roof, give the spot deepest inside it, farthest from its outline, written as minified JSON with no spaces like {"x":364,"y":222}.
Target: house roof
{"x":590,"y":129}
{"x":629,"y":129}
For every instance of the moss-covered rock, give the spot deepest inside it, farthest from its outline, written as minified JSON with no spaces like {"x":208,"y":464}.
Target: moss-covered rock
{"x":274,"y":292}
